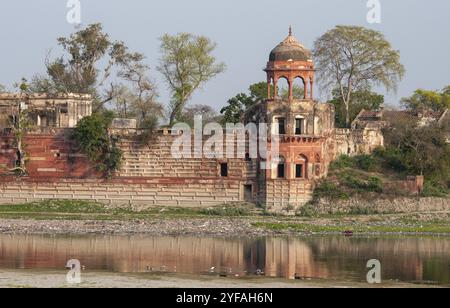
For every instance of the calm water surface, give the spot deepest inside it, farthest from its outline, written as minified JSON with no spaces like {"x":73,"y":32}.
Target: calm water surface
{"x":418,"y":260}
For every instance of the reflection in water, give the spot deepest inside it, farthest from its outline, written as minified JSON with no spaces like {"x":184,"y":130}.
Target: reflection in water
{"x":405,"y":259}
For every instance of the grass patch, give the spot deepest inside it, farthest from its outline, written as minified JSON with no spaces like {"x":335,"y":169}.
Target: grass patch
{"x":225,"y":211}
{"x":55,"y":206}
{"x":362,"y":210}
{"x":310,"y":228}
{"x":309,"y":210}
{"x":327,"y":189}
{"x":74,"y":209}
{"x":363,"y":176}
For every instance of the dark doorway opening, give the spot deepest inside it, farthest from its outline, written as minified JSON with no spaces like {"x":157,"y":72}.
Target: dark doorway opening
{"x":248,"y":193}
{"x":281,"y":171}
{"x":224,"y":170}
{"x":299,"y":123}
{"x":282,"y":126}
{"x":299,"y":171}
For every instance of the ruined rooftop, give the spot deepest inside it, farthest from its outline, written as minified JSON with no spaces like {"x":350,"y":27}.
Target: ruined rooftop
{"x":46,"y":110}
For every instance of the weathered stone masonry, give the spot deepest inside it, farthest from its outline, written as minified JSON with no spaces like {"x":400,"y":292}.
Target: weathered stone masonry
{"x":186,"y":192}
{"x":151,"y":176}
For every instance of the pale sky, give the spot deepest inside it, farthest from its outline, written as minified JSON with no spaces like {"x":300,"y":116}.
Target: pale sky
{"x":245,"y":31}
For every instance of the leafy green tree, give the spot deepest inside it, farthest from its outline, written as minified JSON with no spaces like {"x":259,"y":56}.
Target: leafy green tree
{"x":350,"y":59}
{"x":186,"y":64}
{"x":297,"y":92}
{"x":363,"y":99}
{"x":258,"y":91}
{"x":417,"y":149}
{"x":432,"y":100}
{"x":237,"y":105}
{"x":446,"y":90}
{"x":2,"y":88}
{"x":426,"y":151}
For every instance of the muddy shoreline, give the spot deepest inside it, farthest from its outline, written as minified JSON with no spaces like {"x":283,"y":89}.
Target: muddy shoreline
{"x":169,"y":226}
{"x":155,"y":227}
{"x":57,"y":279}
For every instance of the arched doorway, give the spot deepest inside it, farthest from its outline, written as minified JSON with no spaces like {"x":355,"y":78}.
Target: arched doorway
{"x":279,"y":168}
{"x":301,"y":167}
{"x":298,"y":88}
{"x":282,"y":87}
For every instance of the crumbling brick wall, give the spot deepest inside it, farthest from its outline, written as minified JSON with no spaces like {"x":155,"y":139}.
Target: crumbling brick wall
{"x":50,"y":154}
{"x":150,"y":175}
{"x":357,"y":141}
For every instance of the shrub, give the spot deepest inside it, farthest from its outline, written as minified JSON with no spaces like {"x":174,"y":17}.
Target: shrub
{"x":391,"y":158}
{"x":329,"y":190}
{"x":435,"y":189}
{"x":375,"y":184}
{"x":148,"y":127}
{"x":352,"y":181}
{"x":289,"y":208}
{"x":344,"y":161}
{"x":91,"y":135}
{"x":309,"y":210}
{"x":112,"y":160}
{"x":367,"y":163}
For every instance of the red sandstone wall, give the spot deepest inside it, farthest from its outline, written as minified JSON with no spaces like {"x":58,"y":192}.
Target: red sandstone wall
{"x":150,"y":176}
{"x":54,"y":156}
{"x":413,"y":185}
{"x":48,"y":156}
{"x":7,"y":156}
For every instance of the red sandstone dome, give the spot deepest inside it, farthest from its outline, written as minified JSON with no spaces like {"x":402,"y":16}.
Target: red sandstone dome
{"x":290,"y":50}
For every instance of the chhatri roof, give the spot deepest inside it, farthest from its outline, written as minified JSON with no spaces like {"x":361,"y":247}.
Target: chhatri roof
{"x":290,"y":50}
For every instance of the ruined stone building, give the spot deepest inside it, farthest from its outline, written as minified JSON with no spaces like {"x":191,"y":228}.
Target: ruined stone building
{"x":372,"y":123}
{"x":61,"y":111}
{"x":150,"y":175}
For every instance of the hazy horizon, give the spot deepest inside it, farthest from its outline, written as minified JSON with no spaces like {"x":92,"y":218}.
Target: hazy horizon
{"x":245,"y":32}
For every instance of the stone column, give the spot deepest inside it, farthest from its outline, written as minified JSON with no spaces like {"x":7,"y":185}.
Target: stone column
{"x":291,"y":89}
{"x":288,"y":166}
{"x":305,"y":83}
{"x":275,"y":88}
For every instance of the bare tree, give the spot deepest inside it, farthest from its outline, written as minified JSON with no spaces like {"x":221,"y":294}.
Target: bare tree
{"x":20,"y":124}
{"x":81,"y":68}
{"x":209,"y":115}
{"x":142,"y":95}
{"x":122,"y":102}
{"x":353,"y":59}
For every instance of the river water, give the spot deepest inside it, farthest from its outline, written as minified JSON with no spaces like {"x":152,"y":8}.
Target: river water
{"x":423,"y":260}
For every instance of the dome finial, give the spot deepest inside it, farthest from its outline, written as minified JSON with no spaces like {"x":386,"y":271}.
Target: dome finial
{"x":290,"y":30}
